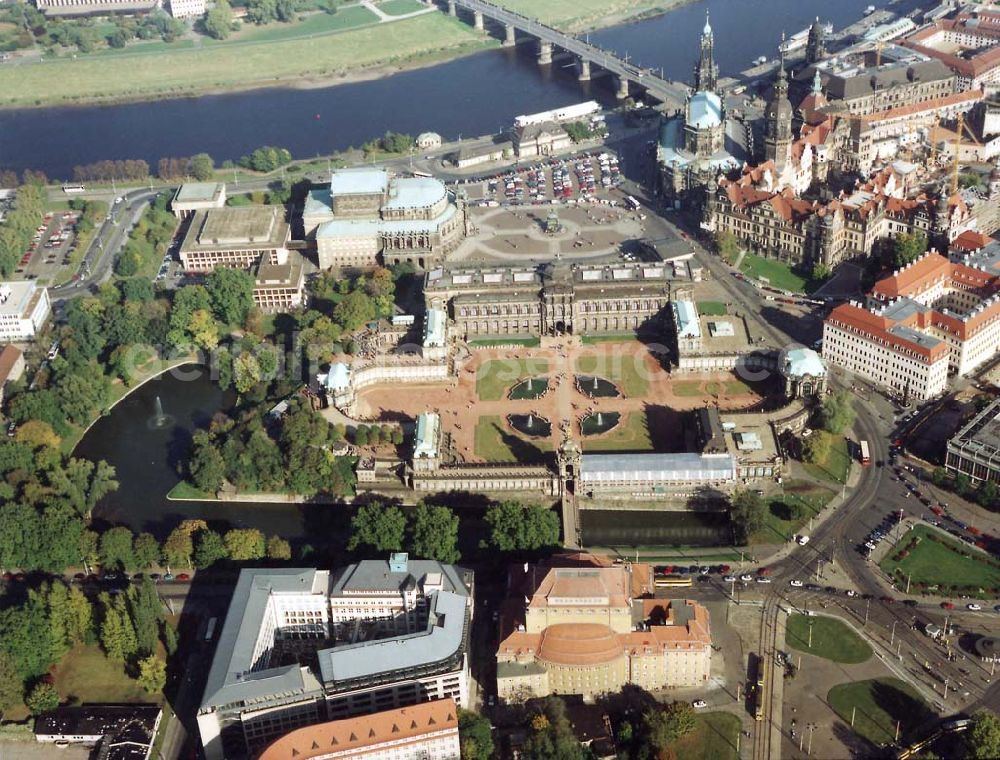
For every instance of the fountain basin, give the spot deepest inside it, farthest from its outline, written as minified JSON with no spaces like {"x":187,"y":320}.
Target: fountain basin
{"x":530,"y":425}
{"x":596,"y":387}
{"x":601,"y":422}
{"x":530,"y":388}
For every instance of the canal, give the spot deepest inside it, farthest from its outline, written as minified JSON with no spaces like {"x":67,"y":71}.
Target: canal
{"x":475,"y":95}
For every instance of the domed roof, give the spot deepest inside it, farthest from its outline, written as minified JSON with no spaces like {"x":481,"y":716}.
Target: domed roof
{"x":704,"y":110}
{"x":579,"y":644}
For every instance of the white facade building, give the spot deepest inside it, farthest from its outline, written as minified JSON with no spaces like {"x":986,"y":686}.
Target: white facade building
{"x":24,"y":310}
{"x":302,"y":646}
{"x":187,"y":8}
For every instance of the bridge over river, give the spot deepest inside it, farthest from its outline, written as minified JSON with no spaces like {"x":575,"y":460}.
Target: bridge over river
{"x":588,"y":56}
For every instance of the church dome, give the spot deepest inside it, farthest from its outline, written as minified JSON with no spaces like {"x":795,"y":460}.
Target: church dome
{"x":704,"y":110}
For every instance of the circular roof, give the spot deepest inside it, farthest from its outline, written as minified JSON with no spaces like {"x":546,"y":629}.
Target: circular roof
{"x":579,"y":644}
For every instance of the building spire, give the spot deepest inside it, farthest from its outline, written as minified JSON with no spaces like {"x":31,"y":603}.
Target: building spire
{"x":817,"y":83}
{"x":708,"y":26}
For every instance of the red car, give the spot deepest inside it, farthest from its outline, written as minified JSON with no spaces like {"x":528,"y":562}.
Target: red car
{"x":763,"y":571}
{"x":947,"y":606}
{"x":183,"y":577}
{"x":937,"y":510}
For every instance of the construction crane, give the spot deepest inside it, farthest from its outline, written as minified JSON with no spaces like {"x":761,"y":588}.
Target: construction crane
{"x":934,"y":126}
{"x":879,"y":44}
{"x":961,"y":127}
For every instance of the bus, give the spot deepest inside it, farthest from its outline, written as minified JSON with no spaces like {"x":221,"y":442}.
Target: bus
{"x":73,"y":189}
{"x":416,"y":173}
{"x":672,"y":581}
{"x":632,"y":203}
{"x":866,"y":458}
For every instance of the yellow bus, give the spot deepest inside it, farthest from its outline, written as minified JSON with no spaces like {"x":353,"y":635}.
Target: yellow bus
{"x":672,"y":581}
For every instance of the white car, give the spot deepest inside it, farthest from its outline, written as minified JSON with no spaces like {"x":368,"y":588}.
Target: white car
{"x":763,"y":579}
{"x":851,"y":592}
{"x":796,"y":583}
{"x":699,"y":703}
{"x":746,"y":577}
{"x":802,"y":540}
{"x":974,"y":607}
{"x":729,"y":579}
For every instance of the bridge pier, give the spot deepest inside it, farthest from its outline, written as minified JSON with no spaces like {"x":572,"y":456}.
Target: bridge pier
{"x":477,"y":20}
{"x":544,"y":53}
{"x":510,"y":39}
{"x":622,"y":88}
{"x":452,"y":10}
{"x":584,"y":72}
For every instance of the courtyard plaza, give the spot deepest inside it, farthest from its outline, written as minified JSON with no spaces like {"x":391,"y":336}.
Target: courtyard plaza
{"x":628,"y":364}
{"x":519,"y":233}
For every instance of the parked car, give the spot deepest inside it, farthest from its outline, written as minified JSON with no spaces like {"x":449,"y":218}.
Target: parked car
{"x":699,"y":703}
{"x":947,"y":606}
{"x":974,"y":607}
{"x":796,"y":583}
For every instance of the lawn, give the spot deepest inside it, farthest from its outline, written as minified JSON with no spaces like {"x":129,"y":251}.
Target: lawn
{"x":837,"y":464}
{"x":712,"y":309}
{"x":591,"y":340}
{"x":488,"y":342}
{"x":939,"y":562}
{"x":495,"y":442}
{"x":713,"y":738}
{"x":778,"y":274}
{"x":185,"y":490}
{"x":877,"y":705}
{"x":580,"y":14}
{"x":497,"y":375}
{"x":626,"y":371}
{"x":85,"y":673}
{"x":401,"y":7}
{"x":778,"y":522}
{"x":737,"y":388}
{"x":688,"y":388}
{"x":832,"y":639}
{"x":632,"y":434}
{"x":310,"y":26}
{"x":239,"y":63}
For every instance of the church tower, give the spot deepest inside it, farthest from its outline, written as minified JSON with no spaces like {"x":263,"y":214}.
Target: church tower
{"x":706,"y":73}
{"x":816,"y":44}
{"x":778,"y":121}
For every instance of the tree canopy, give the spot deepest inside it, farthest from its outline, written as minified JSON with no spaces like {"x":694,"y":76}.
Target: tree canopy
{"x":516,"y":527}
{"x":837,"y":412}
{"x":435,"y":533}
{"x":378,"y":527}
{"x":747,"y":511}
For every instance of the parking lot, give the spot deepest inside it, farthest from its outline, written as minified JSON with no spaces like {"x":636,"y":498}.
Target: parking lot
{"x":583,"y":178}
{"x":52,"y":247}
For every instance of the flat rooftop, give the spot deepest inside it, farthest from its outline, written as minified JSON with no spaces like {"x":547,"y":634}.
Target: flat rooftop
{"x":359,"y":182}
{"x":19,"y":297}
{"x":288,"y":275}
{"x":237,"y":227}
{"x":726,"y":334}
{"x":199,"y":192}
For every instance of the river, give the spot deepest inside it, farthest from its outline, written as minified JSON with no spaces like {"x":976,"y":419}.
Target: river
{"x":475,"y":95}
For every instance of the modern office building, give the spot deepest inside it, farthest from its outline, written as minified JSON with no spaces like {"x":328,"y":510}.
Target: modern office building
{"x":974,"y":451}
{"x":94,"y":7}
{"x":24,"y":310}
{"x":578,"y":624}
{"x":368,"y":216}
{"x":187,"y":8}
{"x":427,"y":731}
{"x":278,"y":287}
{"x":304,"y":646}
{"x":239,"y":237}
{"x":196,"y":196}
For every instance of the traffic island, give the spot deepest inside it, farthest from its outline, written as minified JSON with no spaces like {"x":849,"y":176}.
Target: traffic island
{"x":826,"y":637}
{"x":874,"y":708}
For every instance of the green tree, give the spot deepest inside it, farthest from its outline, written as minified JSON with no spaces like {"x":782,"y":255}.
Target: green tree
{"x":178,"y":548}
{"x":117,"y":632}
{"x":727,"y":245}
{"x":354,"y":310}
{"x":209,"y":549}
{"x":25,"y":636}
{"x":42,"y":698}
{"x":278,"y":548}
{"x":816,"y":448}
{"x":514,"y":527}
{"x":246,"y":372}
{"x":987,"y":494}
{"x":81,"y":617}
{"x":245,"y":544}
{"x":837,"y":412}
{"x":201,"y":166}
{"x":821,"y":271}
{"x":36,"y":434}
{"x":475,"y":735}
{"x":939,"y":476}
{"x":747,"y":512}
{"x":116,"y":550}
{"x":983,"y":739}
{"x":146,"y":613}
{"x":551,"y":736}
{"x":231,"y":294}
{"x":208,"y":468}
{"x":907,"y":248}
{"x":218,"y":22}
{"x":435,"y":533}
{"x":378,"y":527}
{"x":11,"y":684}
{"x":152,"y":674}
{"x":664,"y":727}
{"x":146,"y":550}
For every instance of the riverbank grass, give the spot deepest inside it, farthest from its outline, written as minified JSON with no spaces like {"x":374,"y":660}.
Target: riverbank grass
{"x":831,"y":639}
{"x":188,"y":491}
{"x":877,"y":705}
{"x":237,"y":64}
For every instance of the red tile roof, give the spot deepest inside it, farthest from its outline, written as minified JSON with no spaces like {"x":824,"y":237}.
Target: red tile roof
{"x":365,"y":731}
{"x":863,"y":322}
